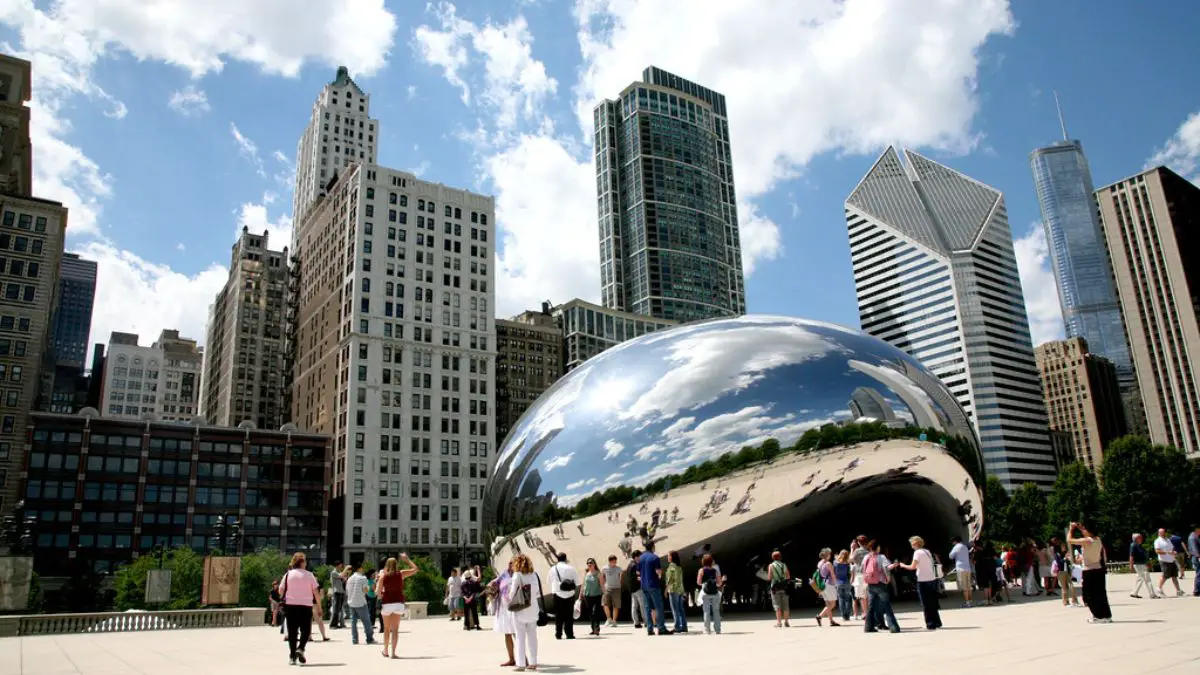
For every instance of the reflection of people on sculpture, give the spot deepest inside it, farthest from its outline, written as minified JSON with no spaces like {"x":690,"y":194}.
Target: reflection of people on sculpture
{"x":581,"y":532}
{"x":675,"y":514}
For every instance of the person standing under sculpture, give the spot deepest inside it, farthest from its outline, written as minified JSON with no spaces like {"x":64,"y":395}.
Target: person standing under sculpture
{"x":564,"y":583}
{"x":633,"y":584}
{"x":613,"y":575}
{"x":927,"y":582}
{"x":650,"y":571}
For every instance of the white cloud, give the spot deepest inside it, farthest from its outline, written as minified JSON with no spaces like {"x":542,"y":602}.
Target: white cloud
{"x":420,"y":169}
{"x":412,"y":91}
{"x":135,"y":295}
{"x":793,"y":75}
{"x":189,"y":101}
{"x":248,"y":149}
{"x":1039,"y":286}
{"x":1181,"y":152}
{"x":557,"y":462}
{"x":612,"y":449}
{"x":255,"y":218}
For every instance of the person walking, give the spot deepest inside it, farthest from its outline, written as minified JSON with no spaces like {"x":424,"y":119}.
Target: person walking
{"x":826,"y":586}
{"x":503,"y":621}
{"x":675,"y":592}
{"x":613,"y":576}
{"x":879,"y":605}
{"x":927,"y":582}
{"x":337,"y":588}
{"x":390,"y":588}
{"x":1193,"y":546}
{"x":650,"y":573}
{"x":843,"y":575}
{"x":710,"y":582}
{"x":1138,"y":562}
{"x":1167,"y":563}
{"x":778,"y":576}
{"x":1095,"y":590}
{"x":356,"y":600}
{"x":454,"y":595}
{"x":593,"y":595}
{"x":633,"y":583}
{"x":524,"y":597}
{"x":961,"y":556}
{"x":564,"y":583}
{"x":301,"y":593}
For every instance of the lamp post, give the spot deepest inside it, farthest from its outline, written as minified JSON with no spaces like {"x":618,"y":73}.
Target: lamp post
{"x":17,"y":531}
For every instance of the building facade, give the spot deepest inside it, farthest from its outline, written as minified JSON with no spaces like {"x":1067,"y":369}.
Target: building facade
{"x":529,"y":360}
{"x":32,"y":231}
{"x":106,"y":491}
{"x":1083,"y":398}
{"x":395,"y":358}
{"x":340,"y":132}
{"x":936,"y":276}
{"x":159,"y":382}
{"x":244,"y":361}
{"x":73,"y":322}
{"x":1151,"y":225}
{"x":1079,"y":258}
{"x":589,"y":329}
{"x":669,"y":241}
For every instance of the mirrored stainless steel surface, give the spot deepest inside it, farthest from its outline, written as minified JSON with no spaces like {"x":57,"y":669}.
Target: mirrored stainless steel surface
{"x":830,"y":416}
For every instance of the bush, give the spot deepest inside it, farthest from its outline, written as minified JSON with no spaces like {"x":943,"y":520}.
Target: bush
{"x":427,"y":585}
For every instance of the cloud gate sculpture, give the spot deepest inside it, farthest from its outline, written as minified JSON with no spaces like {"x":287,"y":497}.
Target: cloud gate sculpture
{"x":745,"y":435}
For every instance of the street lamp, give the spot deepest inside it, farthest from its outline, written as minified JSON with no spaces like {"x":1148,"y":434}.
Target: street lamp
{"x":17,"y":531}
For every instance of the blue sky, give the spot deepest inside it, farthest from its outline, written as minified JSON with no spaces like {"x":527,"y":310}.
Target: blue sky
{"x":165,"y":131}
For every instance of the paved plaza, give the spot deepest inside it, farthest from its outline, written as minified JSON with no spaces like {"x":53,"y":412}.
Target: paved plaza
{"x":1145,"y":636}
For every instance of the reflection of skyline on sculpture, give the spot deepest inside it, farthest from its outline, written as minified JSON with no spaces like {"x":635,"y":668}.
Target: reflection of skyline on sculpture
{"x":655,"y":406}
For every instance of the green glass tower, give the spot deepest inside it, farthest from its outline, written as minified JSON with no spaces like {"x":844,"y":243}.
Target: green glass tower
{"x":669,"y":244}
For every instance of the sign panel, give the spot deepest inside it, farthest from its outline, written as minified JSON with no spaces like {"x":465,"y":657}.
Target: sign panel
{"x":16,"y":574}
{"x":222,"y":579}
{"x":158,"y":587}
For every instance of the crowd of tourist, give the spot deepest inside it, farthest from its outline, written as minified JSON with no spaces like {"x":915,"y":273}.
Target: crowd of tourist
{"x":856,"y":583}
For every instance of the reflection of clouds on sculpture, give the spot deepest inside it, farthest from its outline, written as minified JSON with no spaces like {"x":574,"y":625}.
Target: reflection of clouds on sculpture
{"x":547,"y":416}
{"x":714,"y":363}
{"x":557,"y":462}
{"x":581,"y":483}
{"x":612,"y":449}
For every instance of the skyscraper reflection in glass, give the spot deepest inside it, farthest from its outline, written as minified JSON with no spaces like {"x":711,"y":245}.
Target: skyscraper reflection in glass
{"x":1077,"y":253}
{"x":669,"y":242}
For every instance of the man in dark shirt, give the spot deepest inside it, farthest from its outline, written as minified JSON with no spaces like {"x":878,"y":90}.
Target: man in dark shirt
{"x":637,"y":599}
{"x":651,"y":571}
{"x":1138,"y":560}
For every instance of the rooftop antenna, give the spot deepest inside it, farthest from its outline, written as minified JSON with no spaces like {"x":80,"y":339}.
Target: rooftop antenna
{"x":1061,"y":122}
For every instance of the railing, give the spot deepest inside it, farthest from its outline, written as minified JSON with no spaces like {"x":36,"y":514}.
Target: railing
{"x":122,"y":622}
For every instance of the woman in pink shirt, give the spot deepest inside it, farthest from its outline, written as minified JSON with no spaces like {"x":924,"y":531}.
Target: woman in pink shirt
{"x":301,"y":596}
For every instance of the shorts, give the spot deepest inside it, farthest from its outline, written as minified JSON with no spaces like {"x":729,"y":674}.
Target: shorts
{"x":829,"y":593}
{"x":1169,"y":570}
{"x":612,"y":598}
{"x":779,"y":601}
{"x":964,"y":580}
{"x":456,"y":604}
{"x":393,"y":608}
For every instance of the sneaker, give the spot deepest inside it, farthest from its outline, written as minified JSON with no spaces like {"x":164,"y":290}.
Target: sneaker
{"x":1135,"y":595}
{"x":300,"y":657}
{"x":1180,"y":594}
{"x":292,"y":660}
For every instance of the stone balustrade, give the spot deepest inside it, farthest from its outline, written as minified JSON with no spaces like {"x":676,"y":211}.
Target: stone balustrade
{"x":120,"y":622}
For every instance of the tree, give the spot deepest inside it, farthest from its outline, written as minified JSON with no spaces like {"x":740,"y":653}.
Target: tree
{"x":187,"y":580}
{"x":1076,"y":498}
{"x":995,"y":507}
{"x":427,"y":585}
{"x":1142,"y":483}
{"x":259,"y":569}
{"x":1026,"y":513}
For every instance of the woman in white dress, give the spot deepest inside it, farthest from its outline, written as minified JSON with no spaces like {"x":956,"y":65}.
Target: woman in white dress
{"x":860,"y":592}
{"x":502,"y":618}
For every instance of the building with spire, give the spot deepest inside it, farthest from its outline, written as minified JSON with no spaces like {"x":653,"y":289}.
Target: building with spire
{"x":669,"y":241}
{"x":340,"y":131}
{"x":1082,"y":272}
{"x":936,"y":276}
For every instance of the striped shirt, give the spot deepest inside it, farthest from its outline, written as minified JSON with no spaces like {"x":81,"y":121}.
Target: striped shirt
{"x":356,"y":590}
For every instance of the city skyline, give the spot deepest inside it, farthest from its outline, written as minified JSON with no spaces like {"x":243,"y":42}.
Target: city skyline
{"x":528,"y":120}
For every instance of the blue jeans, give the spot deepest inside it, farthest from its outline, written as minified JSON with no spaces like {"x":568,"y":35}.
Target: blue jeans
{"x":845,"y":593}
{"x":678,"y":611}
{"x":361,"y":614}
{"x":654,"y":601}
{"x":879,"y":609}
{"x":712,"y":610}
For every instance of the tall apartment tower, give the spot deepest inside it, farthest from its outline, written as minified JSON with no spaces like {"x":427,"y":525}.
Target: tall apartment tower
{"x":1151,"y":226}
{"x":395,"y":359}
{"x":1077,"y":253}
{"x":529,"y":360}
{"x":244,"y":357}
{"x":669,"y":242}
{"x":160,"y":382}
{"x":73,"y":322}
{"x":1083,"y":398}
{"x":936,"y":276}
{"x":341,"y":131}
{"x":32,"y":231}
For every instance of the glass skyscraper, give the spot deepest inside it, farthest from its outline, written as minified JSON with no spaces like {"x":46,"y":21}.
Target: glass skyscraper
{"x":73,"y":322}
{"x":1077,"y":253}
{"x":669,"y":243}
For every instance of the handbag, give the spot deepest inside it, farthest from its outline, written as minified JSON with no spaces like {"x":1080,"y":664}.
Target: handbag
{"x":578,"y":610}
{"x":543,"y":618}
{"x":523,"y":597}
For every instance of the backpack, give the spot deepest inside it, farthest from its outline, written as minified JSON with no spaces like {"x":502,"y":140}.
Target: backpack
{"x":778,"y":580}
{"x":710,"y":581}
{"x":817,"y":581}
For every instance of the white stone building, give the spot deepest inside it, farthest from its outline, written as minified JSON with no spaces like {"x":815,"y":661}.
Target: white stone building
{"x":161,"y":381}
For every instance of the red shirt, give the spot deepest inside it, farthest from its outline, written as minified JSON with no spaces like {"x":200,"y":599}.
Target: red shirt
{"x":390,"y":588}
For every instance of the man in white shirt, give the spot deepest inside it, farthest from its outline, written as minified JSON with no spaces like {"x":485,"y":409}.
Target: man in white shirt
{"x":1166,"y":561}
{"x":356,"y":599}
{"x":564,"y":583}
{"x":961,"y":556}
